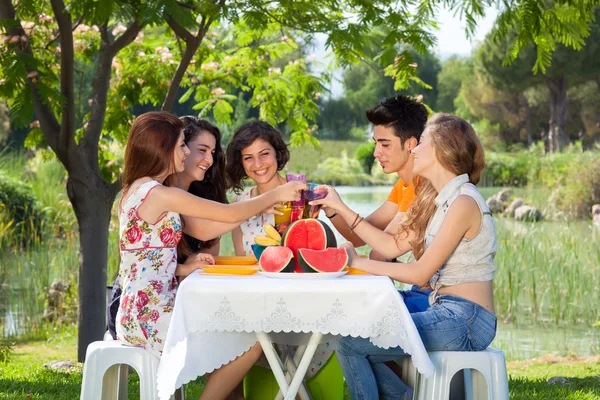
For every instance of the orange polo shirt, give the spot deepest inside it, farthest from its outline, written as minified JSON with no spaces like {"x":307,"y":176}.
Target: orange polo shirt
{"x":402,"y":194}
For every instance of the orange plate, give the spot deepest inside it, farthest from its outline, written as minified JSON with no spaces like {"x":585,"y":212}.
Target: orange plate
{"x":230,"y":270}
{"x":235,"y":260}
{"x":355,"y":271}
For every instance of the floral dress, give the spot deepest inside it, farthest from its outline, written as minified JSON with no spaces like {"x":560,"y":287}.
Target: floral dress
{"x":147,"y":273}
{"x":255,"y":227}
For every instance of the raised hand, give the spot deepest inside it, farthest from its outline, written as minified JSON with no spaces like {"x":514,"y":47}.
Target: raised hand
{"x":332,"y":201}
{"x":290,"y":191}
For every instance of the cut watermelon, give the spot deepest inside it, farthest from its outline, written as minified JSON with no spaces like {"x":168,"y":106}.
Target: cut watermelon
{"x":277,"y":259}
{"x":328,"y":260}
{"x":308,"y":234}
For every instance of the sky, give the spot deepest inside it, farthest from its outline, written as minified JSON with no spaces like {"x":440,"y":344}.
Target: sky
{"x":451,"y":39}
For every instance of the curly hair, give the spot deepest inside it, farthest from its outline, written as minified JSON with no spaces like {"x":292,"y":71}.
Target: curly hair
{"x":243,"y":137}
{"x":213,"y":187}
{"x":458,"y":149}
{"x":404,"y":115}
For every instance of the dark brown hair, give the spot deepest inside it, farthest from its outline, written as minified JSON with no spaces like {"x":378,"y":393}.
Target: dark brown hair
{"x":150,"y":146}
{"x":406,"y":116}
{"x":243,"y":137}
{"x":213,"y":187}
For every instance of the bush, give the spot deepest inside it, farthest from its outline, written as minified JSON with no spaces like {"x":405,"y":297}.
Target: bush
{"x":503,"y":169}
{"x":20,"y":214}
{"x":341,"y":171}
{"x":364,"y":155}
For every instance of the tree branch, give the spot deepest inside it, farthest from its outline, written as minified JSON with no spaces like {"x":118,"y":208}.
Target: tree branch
{"x":180,"y":30}
{"x":48,"y":123}
{"x":126,"y":38}
{"x":67,"y":130}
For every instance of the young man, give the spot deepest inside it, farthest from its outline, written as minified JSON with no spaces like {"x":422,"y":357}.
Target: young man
{"x":399,"y":122}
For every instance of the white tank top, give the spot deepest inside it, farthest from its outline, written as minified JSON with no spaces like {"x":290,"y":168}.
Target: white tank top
{"x":473,"y":259}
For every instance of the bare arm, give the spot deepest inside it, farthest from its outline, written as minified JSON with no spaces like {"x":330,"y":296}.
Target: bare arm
{"x":204,"y":229}
{"x":163,"y":199}
{"x":462,"y":218}
{"x":237,"y":236}
{"x":379,"y":218}
{"x":383,"y":242}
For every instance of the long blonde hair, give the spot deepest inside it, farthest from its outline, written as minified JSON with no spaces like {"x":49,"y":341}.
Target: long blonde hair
{"x":458,"y":149}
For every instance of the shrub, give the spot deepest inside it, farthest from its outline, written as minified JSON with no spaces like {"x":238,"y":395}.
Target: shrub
{"x":19,"y":211}
{"x":341,"y":171}
{"x":364,"y":155}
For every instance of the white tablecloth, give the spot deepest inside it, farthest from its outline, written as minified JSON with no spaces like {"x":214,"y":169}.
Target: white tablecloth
{"x":215,"y":319}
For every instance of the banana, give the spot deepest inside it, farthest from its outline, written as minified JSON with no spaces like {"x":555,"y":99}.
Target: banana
{"x":272,"y":232}
{"x":266,"y":241}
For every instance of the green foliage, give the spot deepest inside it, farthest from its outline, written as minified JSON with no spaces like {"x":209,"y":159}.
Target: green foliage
{"x":364,"y":155}
{"x":454,"y":71}
{"x":20,"y":214}
{"x":506,"y":169}
{"x":341,"y":171}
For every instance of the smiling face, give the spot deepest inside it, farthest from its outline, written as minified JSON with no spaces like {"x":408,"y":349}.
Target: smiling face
{"x":180,"y":153}
{"x":425,"y":158}
{"x":389,"y":152}
{"x":260,"y":161}
{"x":201,"y":157}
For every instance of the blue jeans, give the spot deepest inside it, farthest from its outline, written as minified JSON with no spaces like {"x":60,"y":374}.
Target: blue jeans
{"x":416,"y":299}
{"x":450,"y":324}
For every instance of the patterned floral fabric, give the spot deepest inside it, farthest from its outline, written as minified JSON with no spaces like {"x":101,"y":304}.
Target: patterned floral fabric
{"x":254,"y":226}
{"x":147,"y":273}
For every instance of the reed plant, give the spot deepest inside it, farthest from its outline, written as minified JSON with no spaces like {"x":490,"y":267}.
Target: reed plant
{"x":547,"y":272}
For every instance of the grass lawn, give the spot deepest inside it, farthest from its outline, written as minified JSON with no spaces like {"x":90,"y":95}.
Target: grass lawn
{"x":24,"y":377}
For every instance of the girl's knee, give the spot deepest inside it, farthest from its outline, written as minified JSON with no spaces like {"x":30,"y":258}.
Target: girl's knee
{"x":349,"y":346}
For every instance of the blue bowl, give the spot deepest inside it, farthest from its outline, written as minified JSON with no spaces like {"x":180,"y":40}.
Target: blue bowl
{"x":258,"y":249}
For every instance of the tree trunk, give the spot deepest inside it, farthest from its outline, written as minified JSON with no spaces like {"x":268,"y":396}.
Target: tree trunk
{"x":528,"y":121}
{"x":92,"y":201}
{"x":558,"y":113}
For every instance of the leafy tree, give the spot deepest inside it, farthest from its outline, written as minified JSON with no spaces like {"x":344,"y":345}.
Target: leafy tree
{"x":453,"y":72}
{"x":570,"y":66}
{"x":45,"y":42}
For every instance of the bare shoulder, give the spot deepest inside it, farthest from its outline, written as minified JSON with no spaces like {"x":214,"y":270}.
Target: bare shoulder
{"x":465,"y":211}
{"x":465,"y":203}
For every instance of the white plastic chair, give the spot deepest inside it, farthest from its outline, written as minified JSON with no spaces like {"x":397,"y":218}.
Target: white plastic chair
{"x":485,"y":375}
{"x":106,"y":368}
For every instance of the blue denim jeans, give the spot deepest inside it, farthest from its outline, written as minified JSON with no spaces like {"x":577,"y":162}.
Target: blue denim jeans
{"x":416,"y":299}
{"x":450,"y":324}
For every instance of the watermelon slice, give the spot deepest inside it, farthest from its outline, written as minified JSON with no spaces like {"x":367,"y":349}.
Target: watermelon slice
{"x":308,"y":233}
{"x":276,"y":259}
{"x":328,"y":260}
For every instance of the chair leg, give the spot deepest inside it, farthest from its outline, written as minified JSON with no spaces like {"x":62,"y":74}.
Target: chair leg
{"x":110,"y":383}
{"x":123,"y":381}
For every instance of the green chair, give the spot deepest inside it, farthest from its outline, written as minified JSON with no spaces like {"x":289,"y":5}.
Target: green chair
{"x":327,"y":384}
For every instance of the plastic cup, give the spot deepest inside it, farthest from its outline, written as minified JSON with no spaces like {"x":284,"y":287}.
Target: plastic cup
{"x":297,"y":177}
{"x":312,"y":193}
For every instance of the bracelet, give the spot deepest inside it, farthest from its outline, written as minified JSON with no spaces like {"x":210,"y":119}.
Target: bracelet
{"x":356,"y":221}
{"x":332,"y":215}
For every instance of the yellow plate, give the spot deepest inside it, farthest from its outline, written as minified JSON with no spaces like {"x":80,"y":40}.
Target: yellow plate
{"x":235,"y":260}
{"x":230,"y":270}
{"x":355,"y":271}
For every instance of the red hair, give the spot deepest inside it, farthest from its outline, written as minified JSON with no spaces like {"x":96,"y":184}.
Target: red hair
{"x":150,"y":146}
